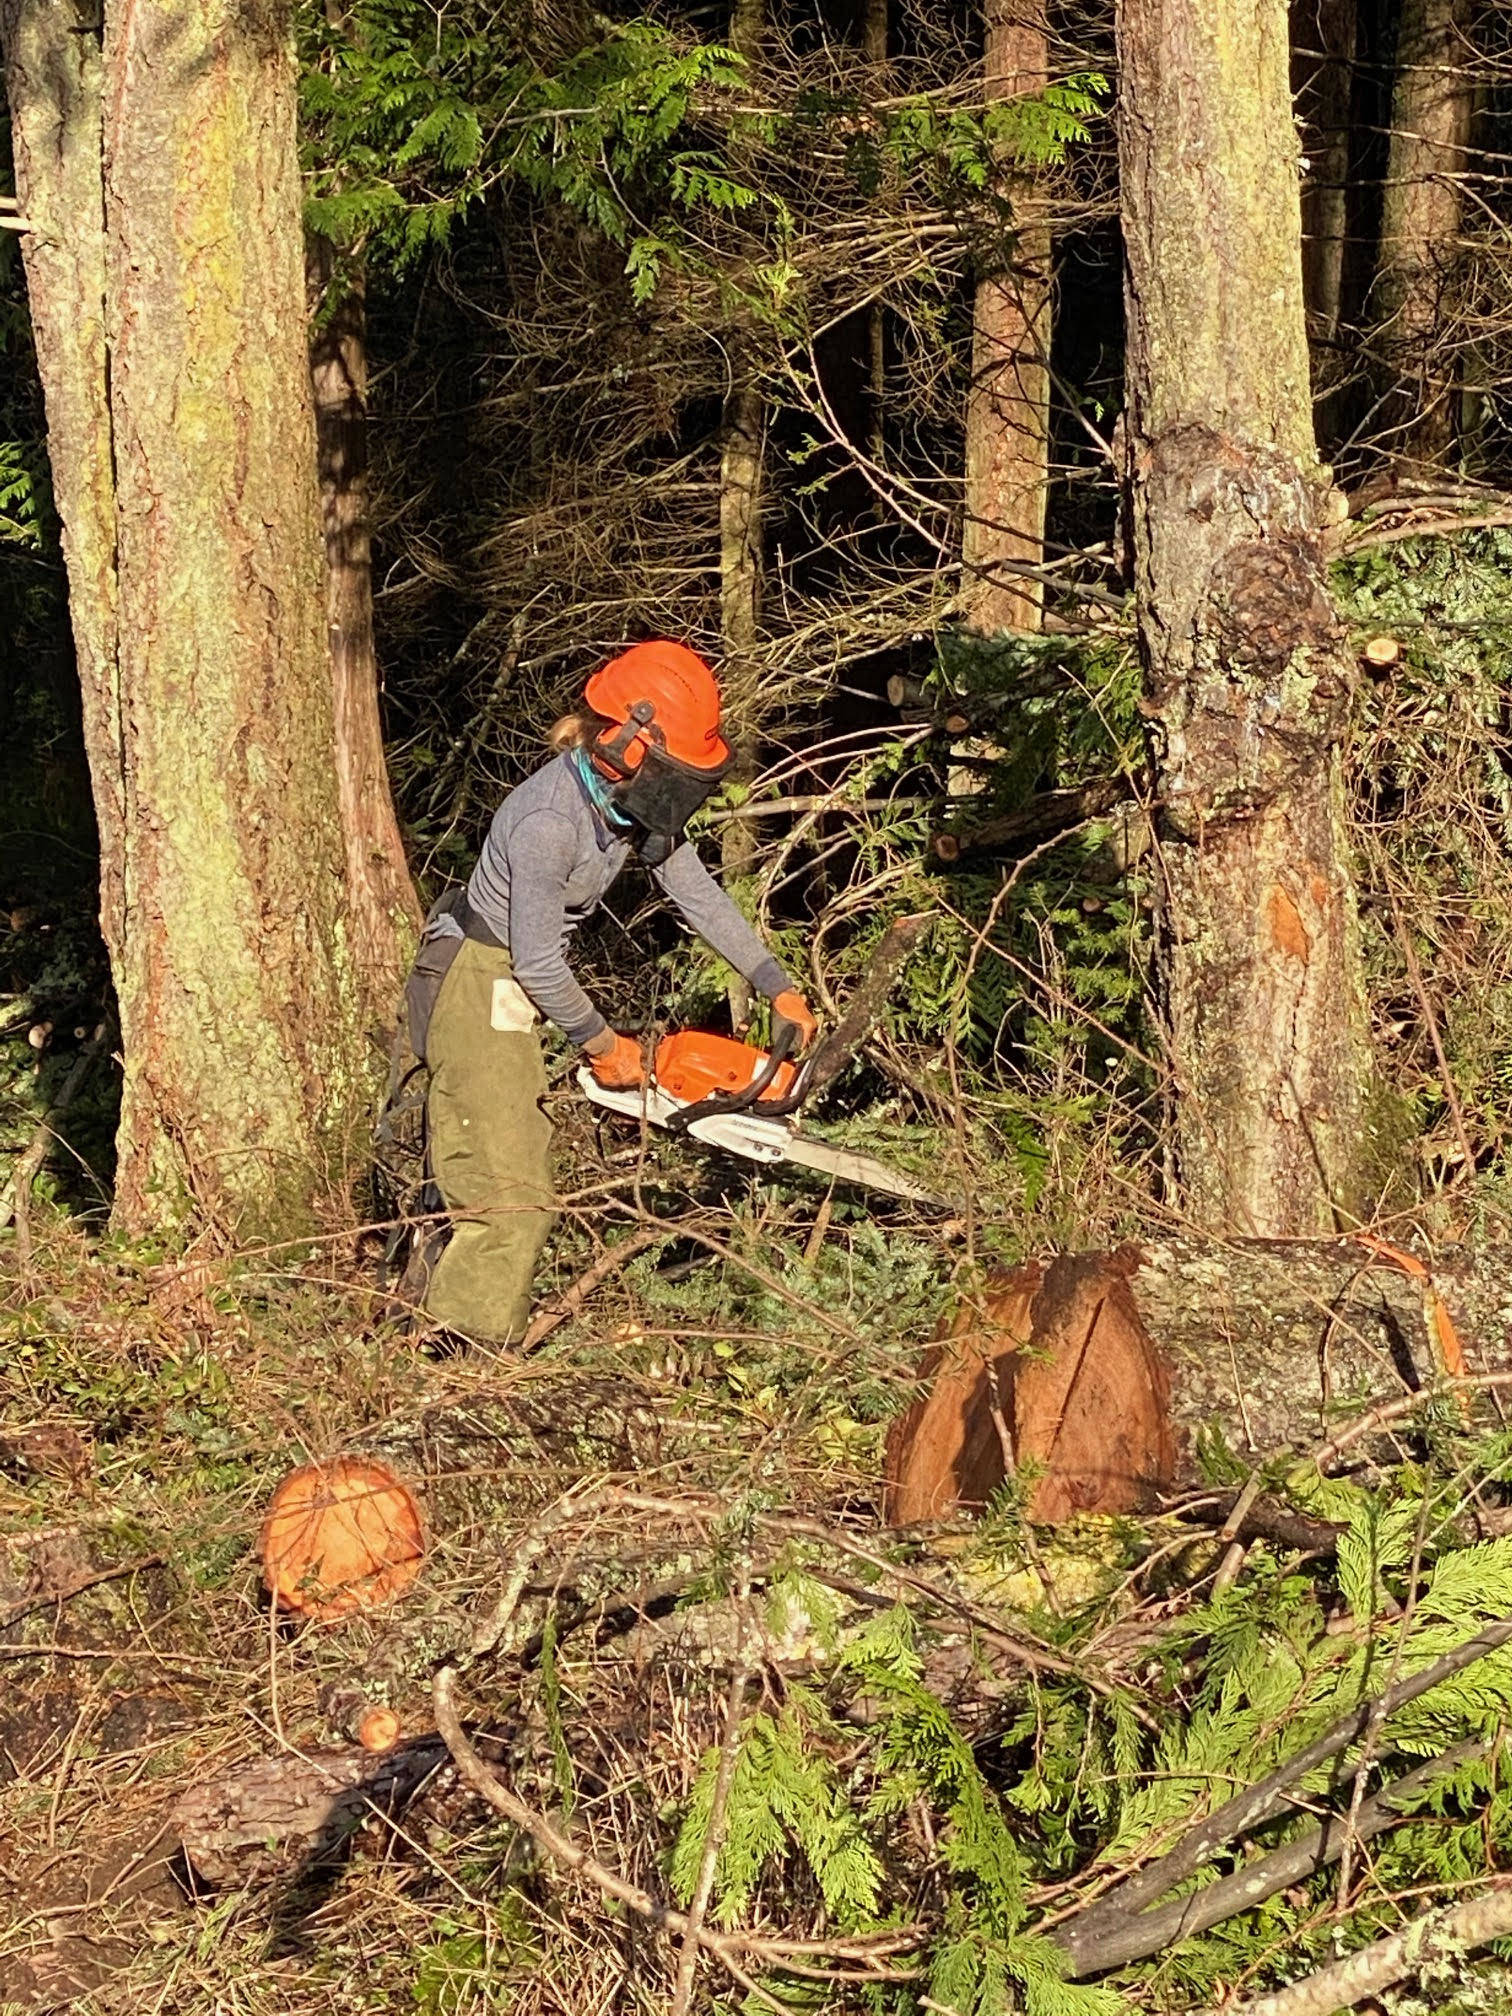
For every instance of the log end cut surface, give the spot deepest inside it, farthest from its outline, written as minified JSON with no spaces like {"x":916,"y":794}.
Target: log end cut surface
{"x":1050,"y":1367}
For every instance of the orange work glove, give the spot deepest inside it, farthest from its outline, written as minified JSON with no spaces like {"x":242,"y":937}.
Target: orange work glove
{"x":792,"y":1008}
{"x":618,"y":1064}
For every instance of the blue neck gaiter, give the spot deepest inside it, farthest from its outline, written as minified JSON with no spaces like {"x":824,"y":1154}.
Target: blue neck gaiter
{"x":600,"y":791}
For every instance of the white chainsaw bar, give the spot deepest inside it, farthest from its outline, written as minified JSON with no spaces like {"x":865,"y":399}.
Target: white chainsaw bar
{"x":757,"y":1139}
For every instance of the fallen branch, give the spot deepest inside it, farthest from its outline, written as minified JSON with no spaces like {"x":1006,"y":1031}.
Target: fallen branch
{"x":1423,"y":1942}
{"x":731,"y":1949}
{"x":571,"y":1300}
{"x":1264,"y":1801}
{"x":273,"y":1803}
{"x":1152,"y":1931}
{"x":1047,"y":813}
{"x":1265,"y":1519}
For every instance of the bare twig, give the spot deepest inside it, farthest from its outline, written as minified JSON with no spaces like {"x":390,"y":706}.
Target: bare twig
{"x":15,"y":1199}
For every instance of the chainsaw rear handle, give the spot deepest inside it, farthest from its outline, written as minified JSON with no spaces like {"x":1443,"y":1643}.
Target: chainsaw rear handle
{"x":749,"y":1096}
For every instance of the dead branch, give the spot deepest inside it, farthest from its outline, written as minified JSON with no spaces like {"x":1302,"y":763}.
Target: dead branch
{"x":1045,"y":814}
{"x":729,"y":1948}
{"x":1152,"y":1931}
{"x":570,"y":1302}
{"x":1264,"y":1801}
{"x":1423,"y":1942}
{"x":45,"y":1599}
{"x":836,"y":1050}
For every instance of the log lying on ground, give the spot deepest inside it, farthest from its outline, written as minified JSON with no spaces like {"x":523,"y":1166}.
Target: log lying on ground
{"x":1106,"y":1370}
{"x":295,"y":1809}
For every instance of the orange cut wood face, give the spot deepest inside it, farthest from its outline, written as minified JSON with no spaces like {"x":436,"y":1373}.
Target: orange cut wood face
{"x":1050,"y":1367}
{"x":947,"y":1451}
{"x":340,"y":1536}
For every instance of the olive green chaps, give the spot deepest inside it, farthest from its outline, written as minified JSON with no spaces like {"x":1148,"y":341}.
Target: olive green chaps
{"x":490,"y":1146}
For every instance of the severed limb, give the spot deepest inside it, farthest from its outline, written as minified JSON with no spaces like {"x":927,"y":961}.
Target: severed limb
{"x":1147,"y":1932}
{"x":1423,"y":1942}
{"x":1264,"y":1801}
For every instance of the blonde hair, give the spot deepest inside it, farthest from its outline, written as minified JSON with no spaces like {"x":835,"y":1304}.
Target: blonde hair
{"x":577,"y":731}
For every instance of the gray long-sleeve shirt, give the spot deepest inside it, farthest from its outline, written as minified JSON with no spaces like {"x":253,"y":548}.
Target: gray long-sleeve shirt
{"x":549,"y":860}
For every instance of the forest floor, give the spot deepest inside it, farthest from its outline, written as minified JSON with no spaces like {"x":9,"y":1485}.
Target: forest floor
{"x":152,"y":1405}
{"x":944,"y":1741}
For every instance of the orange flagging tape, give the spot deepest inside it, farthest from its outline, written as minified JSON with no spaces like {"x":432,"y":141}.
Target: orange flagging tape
{"x":1441,"y":1331}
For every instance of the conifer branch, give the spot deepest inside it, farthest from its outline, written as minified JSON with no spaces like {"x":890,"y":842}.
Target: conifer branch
{"x":1264,"y":1801}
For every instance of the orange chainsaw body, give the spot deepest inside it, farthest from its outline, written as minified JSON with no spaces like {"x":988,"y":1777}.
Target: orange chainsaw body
{"x":693,"y":1065}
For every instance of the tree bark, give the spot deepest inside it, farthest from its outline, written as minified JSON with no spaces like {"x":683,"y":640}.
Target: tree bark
{"x":1325,"y":31}
{"x":1418,"y":280}
{"x":1008,"y":406}
{"x":742,"y":481}
{"x":168,"y":301}
{"x":1247,"y":674}
{"x":54,"y":75}
{"x":385,"y":916}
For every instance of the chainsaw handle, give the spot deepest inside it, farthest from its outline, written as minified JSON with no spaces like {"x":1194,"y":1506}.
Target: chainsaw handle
{"x":749,"y":1095}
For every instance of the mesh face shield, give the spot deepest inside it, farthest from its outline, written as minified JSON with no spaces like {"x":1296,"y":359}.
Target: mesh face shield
{"x":660,"y":794}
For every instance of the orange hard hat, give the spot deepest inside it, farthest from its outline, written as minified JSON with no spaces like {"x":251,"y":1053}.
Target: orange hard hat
{"x":682,"y":692}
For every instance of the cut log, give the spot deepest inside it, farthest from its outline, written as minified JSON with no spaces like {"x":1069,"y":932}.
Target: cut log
{"x":1051,"y":1368}
{"x":1108,"y":1371}
{"x":295,"y":1810}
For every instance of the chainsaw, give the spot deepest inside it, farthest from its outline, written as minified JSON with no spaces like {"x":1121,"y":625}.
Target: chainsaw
{"x":729,"y":1095}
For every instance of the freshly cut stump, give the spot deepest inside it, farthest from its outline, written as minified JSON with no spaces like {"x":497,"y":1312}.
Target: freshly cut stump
{"x":341,"y":1536}
{"x":1050,"y":1367}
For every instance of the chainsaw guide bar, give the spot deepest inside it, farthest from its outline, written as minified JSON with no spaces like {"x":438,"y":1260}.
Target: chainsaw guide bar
{"x":693,"y":1069}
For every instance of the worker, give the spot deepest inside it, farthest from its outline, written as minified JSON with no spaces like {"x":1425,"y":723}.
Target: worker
{"x":632,"y":768}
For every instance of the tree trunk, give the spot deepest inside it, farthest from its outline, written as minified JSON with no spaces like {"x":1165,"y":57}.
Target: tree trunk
{"x":1008,"y":406}
{"x":742,"y":472}
{"x":1247,"y":674}
{"x":54,"y":75}
{"x":1326,"y":46}
{"x":1417,"y":284}
{"x":384,"y":913}
{"x":207,"y":699}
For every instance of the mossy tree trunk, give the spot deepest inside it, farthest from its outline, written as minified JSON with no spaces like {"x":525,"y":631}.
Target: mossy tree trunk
{"x":385,"y":916}
{"x":1247,"y":671}
{"x":1417,"y":286}
{"x":159,"y":169}
{"x":54,"y":75}
{"x":1008,"y":406}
